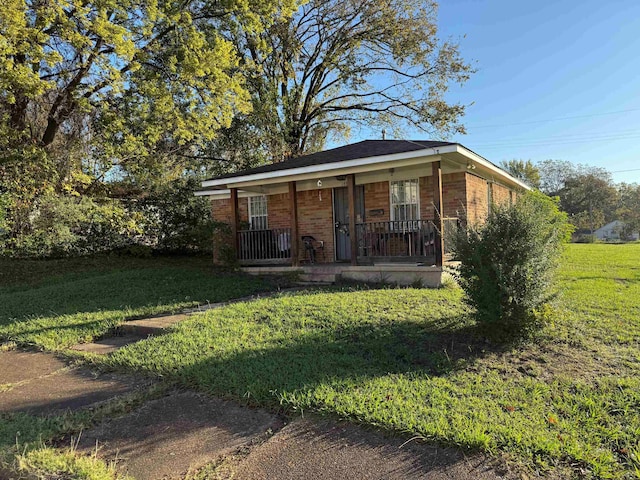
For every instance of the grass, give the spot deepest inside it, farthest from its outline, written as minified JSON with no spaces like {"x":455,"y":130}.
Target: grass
{"x":411,"y":360}
{"x":28,"y":442}
{"x":406,"y":360}
{"x":56,"y":304}
{"x":47,"y":462}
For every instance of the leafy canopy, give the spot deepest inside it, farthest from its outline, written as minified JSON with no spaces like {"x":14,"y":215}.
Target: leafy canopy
{"x":338,"y":64}
{"x":133,"y":75}
{"x":524,"y":170}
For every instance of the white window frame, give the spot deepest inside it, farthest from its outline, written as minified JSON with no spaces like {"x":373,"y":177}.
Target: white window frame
{"x":253,"y":216}
{"x":392,"y":212}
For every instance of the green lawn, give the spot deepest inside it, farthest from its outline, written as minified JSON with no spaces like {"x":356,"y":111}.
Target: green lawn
{"x":55,"y":304}
{"x":408,"y":360}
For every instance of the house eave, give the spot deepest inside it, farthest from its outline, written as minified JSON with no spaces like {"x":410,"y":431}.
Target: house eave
{"x":283,"y":175}
{"x":215,"y":187}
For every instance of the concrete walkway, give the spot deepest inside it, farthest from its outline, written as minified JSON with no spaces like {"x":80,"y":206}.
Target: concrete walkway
{"x":40,"y":383}
{"x":322,"y":449}
{"x":182,"y":432}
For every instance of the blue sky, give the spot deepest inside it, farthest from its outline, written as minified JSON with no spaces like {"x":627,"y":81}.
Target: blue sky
{"x":541,"y":62}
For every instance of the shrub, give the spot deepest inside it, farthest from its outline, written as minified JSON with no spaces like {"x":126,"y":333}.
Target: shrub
{"x":176,"y":221}
{"x":223,"y":246}
{"x":507,"y":263}
{"x":62,"y":226}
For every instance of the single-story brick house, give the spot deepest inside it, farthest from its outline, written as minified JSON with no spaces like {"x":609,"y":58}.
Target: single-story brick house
{"x":376,"y":209}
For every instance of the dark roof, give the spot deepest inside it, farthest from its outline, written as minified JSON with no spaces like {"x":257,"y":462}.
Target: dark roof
{"x":364,"y":149}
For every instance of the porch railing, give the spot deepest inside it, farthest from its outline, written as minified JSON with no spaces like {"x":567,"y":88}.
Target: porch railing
{"x":413,"y":239}
{"x":264,"y":246}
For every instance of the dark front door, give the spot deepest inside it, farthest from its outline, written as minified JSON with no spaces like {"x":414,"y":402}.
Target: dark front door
{"x":341,"y":219}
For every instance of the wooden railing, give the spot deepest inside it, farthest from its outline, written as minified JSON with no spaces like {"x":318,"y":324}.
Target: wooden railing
{"x":395,"y":239}
{"x":264,"y":246}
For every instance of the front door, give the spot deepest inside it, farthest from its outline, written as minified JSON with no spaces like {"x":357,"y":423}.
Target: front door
{"x":341,"y":219}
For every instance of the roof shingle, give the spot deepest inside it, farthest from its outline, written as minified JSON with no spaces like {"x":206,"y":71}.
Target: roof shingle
{"x":364,"y":149}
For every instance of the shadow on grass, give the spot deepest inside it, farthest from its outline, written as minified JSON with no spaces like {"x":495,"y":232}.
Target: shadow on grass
{"x":340,"y":356}
{"x":125,"y":290}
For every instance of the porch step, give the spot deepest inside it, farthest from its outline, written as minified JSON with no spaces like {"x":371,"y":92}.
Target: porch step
{"x":318,"y":277}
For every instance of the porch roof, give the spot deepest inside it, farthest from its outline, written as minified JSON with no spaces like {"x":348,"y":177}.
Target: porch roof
{"x":361,"y":156}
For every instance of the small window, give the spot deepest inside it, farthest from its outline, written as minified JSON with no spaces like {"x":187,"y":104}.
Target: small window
{"x":404,"y":200}
{"x":258,"y":212}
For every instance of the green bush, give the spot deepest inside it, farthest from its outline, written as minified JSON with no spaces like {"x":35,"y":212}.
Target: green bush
{"x":507,"y":263}
{"x":176,"y":221}
{"x":62,"y":226}
{"x":223,"y":246}
{"x":169,"y":220}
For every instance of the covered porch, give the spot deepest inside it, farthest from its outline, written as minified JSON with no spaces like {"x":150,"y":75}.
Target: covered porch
{"x":377,"y":205}
{"x":340,"y":228}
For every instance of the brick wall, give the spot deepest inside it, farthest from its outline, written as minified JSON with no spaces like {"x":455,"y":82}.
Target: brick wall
{"x":454,"y":195}
{"x":376,"y":197}
{"x":500,"y":194}
{"x":278,"y":211}
{"x":221,"y":210}
{"x":477,"y":198}
{"x":426,"y":198}
{"x":315,"y":218}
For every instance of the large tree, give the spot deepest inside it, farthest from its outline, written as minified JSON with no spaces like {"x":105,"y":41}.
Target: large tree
{"x":586,"y":193}
{"x":93,"y":91}
{"x":336,"y":64}
{"x":589,"y":198}
{"x":554,"y":173}
{"x":130,"y":78}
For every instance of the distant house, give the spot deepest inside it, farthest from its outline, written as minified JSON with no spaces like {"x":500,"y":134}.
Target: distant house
{"x":372,"y":208}
{"x":614,"y":231}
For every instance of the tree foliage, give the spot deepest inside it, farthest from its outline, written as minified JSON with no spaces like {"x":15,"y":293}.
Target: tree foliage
{"x":97,"y":91}
{"x":590,"y":199}
{"x":339,"y":63}
{"x":553,"y":175}
{"x":116,"y":87}
{"x":507,"y":263}
{"x":524,"y":170}
{"x":586,"y":193}
{"x":629,"y":208}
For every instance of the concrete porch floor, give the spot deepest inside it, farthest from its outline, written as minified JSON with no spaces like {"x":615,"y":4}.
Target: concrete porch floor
{"x":392,"y":273}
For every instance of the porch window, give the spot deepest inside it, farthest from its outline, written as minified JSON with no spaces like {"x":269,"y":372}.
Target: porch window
{"x":404,"y":200}
{"x":258,"y":212}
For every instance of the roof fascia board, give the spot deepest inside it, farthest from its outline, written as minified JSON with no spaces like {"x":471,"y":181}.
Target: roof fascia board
{"x":326,"y":167}
{"x":339,"y":170}
{"x":490,"y":166}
